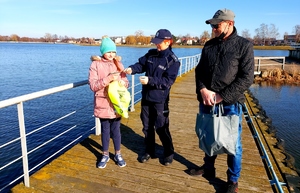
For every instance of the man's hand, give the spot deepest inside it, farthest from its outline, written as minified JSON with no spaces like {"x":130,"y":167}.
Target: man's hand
{"x":209,"y":97}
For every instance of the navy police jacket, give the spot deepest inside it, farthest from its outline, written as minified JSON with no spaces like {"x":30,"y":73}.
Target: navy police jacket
{"x":161,"y":67}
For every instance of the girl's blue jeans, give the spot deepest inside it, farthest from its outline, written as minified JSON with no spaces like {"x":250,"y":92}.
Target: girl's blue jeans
{"x":234,"y":162}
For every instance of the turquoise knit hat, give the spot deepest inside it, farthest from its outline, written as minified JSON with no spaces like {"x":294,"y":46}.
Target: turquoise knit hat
{"x":107,"y":45}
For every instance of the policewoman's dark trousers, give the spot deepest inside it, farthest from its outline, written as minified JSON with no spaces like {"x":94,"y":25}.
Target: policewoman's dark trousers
{"x":155,"y":117}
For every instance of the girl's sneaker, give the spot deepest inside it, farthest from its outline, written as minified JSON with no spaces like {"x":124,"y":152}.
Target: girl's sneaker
{"x":120,"y":161}
{"x":104,"y":160}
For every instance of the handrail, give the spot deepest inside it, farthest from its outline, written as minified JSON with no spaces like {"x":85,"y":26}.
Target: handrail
{"x":34,"y":95}
{"x":187,"y":64}
{"x":260,"y":58}
{"x":265,"y":156}
{"x":295,"y":45}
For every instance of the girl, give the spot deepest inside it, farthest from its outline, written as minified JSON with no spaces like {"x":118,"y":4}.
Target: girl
{"x":104,"y":70}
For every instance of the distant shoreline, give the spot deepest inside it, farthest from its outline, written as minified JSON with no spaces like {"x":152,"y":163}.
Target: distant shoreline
{"x":174,"y":46}
{"x":197,"y":46}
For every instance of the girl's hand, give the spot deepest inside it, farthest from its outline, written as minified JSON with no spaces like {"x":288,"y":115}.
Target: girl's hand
{"x":114,"y":76}
{"x":118,"y":58}
{"x":122,"y":83}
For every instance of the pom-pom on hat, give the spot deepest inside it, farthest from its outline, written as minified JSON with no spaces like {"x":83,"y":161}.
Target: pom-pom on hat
{"x":107,"y":45}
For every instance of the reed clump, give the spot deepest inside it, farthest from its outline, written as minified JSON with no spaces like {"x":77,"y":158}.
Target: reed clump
{"x":290,"y":75}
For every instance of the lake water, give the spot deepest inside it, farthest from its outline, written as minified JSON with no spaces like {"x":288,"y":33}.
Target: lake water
{"x":29,"y":67}
{"x":282,"y":105}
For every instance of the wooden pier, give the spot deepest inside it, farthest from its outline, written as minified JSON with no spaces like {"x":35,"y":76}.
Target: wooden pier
{"x":75,"y":171}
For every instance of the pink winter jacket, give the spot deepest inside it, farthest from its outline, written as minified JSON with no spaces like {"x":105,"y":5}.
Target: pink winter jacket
{"x":99,"y":80}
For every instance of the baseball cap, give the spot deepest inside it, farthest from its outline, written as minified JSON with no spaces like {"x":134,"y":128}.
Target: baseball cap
{"x":221,"y":15}
{"x":161,"y":35}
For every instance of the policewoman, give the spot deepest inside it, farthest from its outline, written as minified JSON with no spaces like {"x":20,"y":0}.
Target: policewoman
{"x":161,"y":67}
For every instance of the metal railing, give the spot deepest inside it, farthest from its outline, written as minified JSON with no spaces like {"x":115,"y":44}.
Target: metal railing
{"x":187,"y":64}
{"x":260,"y":58}
{"x":295,"y":45}
{"x":274,"y":179}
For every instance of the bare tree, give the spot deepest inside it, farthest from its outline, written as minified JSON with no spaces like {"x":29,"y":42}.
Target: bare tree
{"x":266,"y":33}
{"x":297,"y":33}
{"x":262,"y":33}
{"x":296,"y":29}
{"x":246,"y":34}
{"x":138,"y":35}
{"x":205,"y":36}
{"x":273,"y":32}
{"x":48,"y":37}
{"x":54,"y":37}
{"x":285,"y":36}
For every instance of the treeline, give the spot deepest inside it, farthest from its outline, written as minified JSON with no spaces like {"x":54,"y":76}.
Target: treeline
{"x":265,"y":35}
{"x":47,"y":38}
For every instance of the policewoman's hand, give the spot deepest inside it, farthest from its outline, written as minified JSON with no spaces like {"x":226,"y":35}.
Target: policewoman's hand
{"x":128,"y":70}
{"x":144,"y":80}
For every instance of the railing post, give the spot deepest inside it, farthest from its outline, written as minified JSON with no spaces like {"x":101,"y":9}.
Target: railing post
{"x":97,"y":126}
{"x":180,"y":68}
{"x":186,"y":65}
{"x":23,"y":143}
{"x":132,"y":94}
{"x":258,"y":65}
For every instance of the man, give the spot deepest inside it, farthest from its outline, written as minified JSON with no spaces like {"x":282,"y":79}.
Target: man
{"x":161,"y":67}
{"x":225,"y":71}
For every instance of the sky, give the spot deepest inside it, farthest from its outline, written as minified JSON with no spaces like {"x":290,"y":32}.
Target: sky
{"x":96,"y":18}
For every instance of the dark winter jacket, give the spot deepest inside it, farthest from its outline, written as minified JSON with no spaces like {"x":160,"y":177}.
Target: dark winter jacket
{"x":226,"y":67}
{"x":161,"y":67}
